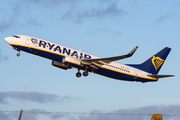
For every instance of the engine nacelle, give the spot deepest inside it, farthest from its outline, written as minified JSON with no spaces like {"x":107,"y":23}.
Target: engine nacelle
{"x":71,"y":61}
{"x":61,"y":65}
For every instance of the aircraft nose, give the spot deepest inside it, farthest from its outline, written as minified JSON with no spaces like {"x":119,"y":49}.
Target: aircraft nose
{"x":7,"y":39}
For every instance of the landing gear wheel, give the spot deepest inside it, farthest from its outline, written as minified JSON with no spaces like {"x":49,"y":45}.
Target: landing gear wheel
{"x":78,"y":74}
{"x":85,"y":73}
{"x":18,"y":54}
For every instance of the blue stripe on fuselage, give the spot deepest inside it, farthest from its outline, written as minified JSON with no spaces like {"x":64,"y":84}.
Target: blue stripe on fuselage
{"x":121,"y":76}
{"x":41,"y":53}
{"x":102,"y":71}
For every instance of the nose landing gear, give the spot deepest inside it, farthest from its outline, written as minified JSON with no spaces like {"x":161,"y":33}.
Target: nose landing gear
{"x":17,"y":49}
{"x":18,"y":54}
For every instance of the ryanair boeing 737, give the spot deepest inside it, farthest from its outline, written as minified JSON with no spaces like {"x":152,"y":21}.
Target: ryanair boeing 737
{"x":66,"y":58}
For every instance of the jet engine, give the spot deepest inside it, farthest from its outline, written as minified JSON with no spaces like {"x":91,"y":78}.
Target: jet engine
{"x":60,"y":65}
{"x":68,"y":60}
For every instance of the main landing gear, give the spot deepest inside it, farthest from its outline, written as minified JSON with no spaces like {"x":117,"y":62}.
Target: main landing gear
{"x":85,"y":73}
{"x":78,"y":74}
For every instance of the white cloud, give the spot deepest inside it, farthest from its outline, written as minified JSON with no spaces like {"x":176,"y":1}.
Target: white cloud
{"x":134,"y":113}
{"x":3,"y":57}
{"x":142,"y":113}
{"x":101,"y":12}
{"x":162,"y":18}
{"x":37,"y":97}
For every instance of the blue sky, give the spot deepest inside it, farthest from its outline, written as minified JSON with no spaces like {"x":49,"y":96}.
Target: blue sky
{"x":101,"y":27}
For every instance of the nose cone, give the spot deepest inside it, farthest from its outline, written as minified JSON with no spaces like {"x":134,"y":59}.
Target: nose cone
{"x":8,"y":39}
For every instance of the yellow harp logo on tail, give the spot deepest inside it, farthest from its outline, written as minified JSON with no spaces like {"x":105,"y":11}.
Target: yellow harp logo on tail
{"x":157,"y":61}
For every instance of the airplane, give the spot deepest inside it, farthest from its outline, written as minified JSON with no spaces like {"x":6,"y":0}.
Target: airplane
{"x":66,"y":58}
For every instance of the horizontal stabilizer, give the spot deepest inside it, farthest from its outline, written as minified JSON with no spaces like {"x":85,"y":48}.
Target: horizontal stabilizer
{"x":160,"y":76}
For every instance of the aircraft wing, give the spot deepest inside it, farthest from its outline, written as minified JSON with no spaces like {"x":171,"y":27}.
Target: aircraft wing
{"x":105,"y":61}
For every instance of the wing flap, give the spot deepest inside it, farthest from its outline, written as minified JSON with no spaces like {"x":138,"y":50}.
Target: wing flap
{"x":99,"y":65}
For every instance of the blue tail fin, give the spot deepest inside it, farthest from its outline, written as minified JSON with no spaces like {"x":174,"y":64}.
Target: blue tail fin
{"x":154,"y":63}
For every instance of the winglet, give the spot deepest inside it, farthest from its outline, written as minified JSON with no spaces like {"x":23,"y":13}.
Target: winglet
{"x":132,"y":52}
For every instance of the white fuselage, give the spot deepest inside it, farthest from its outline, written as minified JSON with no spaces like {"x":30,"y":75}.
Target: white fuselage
{"x":42,"y":47}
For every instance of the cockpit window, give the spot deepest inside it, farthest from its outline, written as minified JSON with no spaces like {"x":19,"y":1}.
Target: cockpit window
{"x":16,"y":36}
